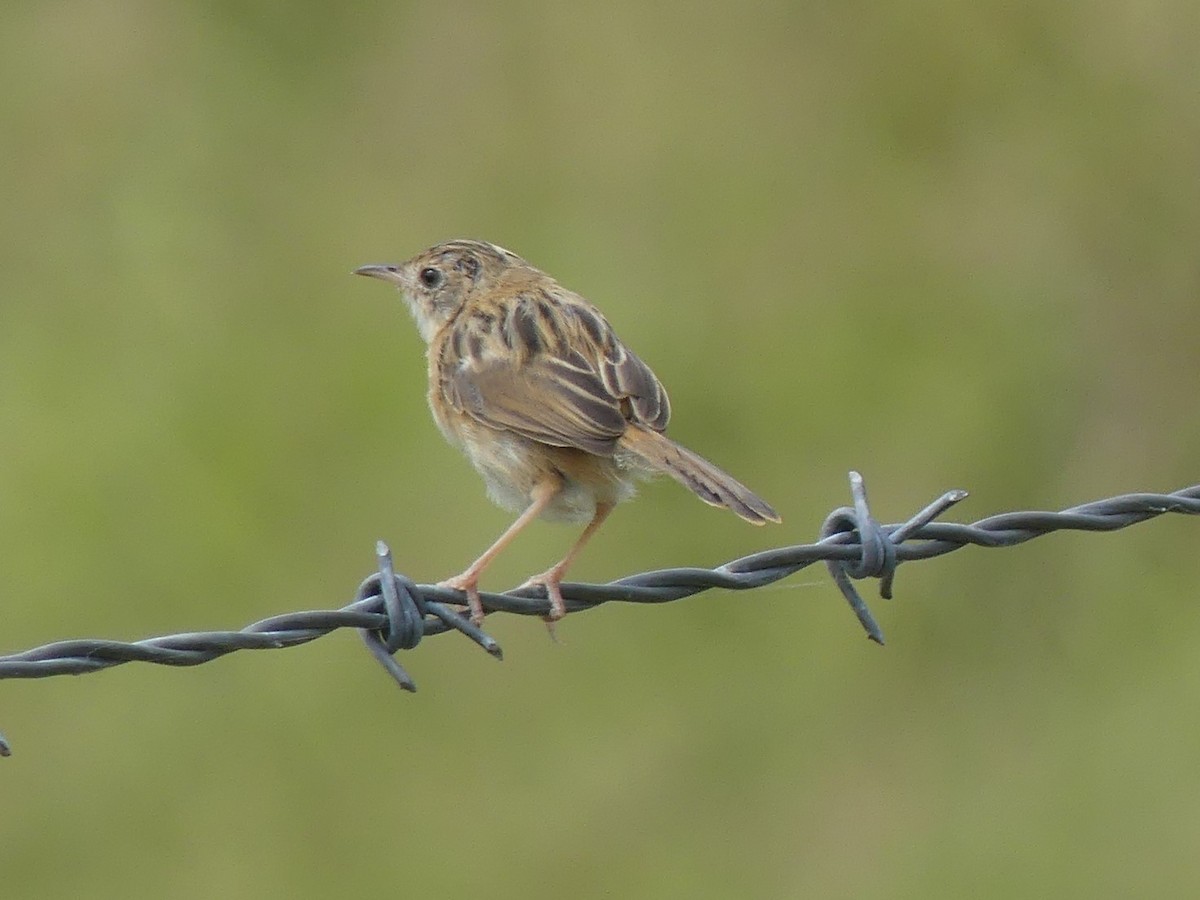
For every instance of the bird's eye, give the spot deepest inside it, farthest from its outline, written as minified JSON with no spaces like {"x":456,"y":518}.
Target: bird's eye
{"x":431,"y":277}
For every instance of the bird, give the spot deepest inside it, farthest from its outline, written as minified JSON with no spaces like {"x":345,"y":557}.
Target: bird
{"x":559,"y":416}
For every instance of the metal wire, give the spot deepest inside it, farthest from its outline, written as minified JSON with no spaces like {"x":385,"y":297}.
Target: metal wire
{"x":392,"y":613}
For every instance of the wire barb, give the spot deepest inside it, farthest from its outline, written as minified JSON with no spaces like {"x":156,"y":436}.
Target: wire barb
{"x":878,"y":544}
{"x":391,"y":613}
{"x":406,"y":611}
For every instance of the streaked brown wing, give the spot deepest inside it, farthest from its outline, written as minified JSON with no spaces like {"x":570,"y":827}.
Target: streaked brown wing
{"x":559,"y":397}
{"x":626,"y":377}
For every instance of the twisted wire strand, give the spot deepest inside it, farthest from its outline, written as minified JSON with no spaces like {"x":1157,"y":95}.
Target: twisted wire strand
{"x":392,"y":613}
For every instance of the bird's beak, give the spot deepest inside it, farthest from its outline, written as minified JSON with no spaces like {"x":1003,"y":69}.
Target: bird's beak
{"x":387,"y":272}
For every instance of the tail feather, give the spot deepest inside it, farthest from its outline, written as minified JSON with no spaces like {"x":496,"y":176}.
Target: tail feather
{"x":711,"y":484}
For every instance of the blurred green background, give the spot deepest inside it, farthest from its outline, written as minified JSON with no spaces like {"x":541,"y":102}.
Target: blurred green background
{"x":951,"y":245}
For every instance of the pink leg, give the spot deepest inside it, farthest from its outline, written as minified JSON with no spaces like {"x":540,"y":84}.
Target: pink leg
{"x":552,"y":577}
{"x":468,"y":581}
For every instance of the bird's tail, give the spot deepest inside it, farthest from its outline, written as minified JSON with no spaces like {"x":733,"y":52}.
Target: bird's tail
{"x":697,"y":474}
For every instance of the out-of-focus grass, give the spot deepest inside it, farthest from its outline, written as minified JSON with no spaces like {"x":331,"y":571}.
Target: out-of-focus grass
{"x":949,"y":245}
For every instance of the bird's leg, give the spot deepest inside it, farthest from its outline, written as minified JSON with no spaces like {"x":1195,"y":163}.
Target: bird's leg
{"x":468,"y":581}
{"x":552,"y":577}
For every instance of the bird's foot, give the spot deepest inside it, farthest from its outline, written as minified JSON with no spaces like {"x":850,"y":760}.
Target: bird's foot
{"x":551,"y":580}
{"x":468,"y":583}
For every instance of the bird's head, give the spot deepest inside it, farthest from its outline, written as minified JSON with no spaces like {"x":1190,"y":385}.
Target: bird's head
{"x":437,"y":282}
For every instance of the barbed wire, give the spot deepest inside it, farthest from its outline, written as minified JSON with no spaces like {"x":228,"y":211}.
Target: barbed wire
{"x":392,"y":613}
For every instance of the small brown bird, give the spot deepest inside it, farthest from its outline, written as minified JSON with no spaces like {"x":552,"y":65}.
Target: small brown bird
{"x":558,"y":416}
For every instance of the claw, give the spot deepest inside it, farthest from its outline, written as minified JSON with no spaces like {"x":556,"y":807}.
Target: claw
{"x":469,"y":585}
{"x":550,"y":580}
